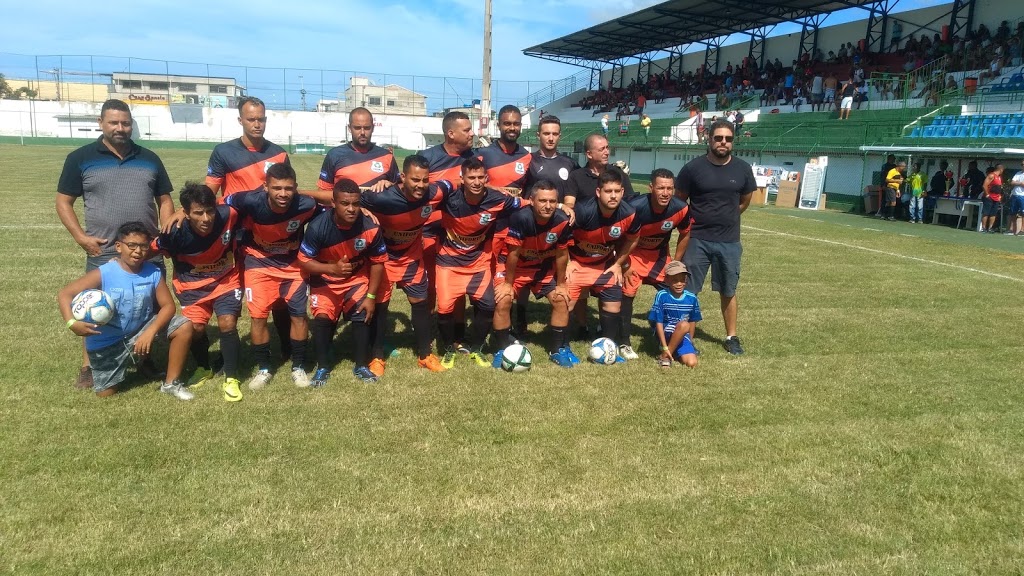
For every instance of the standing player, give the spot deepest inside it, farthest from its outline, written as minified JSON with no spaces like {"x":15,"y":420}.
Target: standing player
{"x":343,"y":253}
{"x":402,"y":211}
{"x":370,"y":166}
{"x":206,"y":279}
{"x":603,"y":237}
{"x":119,"y":182}
{"x":657,"y":215}
{"x":718,"y":187}
{"x":538,"y":241}
{"x":273,"y":218}
{"x":464,"y":258}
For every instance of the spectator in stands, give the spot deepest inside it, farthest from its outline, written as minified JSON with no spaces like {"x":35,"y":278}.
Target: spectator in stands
{"x":995,"y":66}
{"x":739,"y":123}
{"x":604,"y":125}
{"x":645,"y":123}
{"x":817,"y":92}
{"x":992,"y":199}
{"x":897,"y":34}
{"x":641,"y":103}
{"x":975,"y":181}
{"x":862,"y":93}
{"x":798,"y":98}
{"x":831,"y":83}
{"x":1017,"y":202}
{"x":832,"y":58}
{"x":847,"y":93}
{"x":951,"y":83}
{"x":702,"y":130}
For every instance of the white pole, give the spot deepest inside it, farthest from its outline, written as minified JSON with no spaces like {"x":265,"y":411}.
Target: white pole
{"x":485,"y":95}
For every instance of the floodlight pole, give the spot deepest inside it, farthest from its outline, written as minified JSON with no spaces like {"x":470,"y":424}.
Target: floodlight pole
{"x":485,"y":88}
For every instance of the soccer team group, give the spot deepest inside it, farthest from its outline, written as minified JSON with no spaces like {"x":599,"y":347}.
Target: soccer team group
{"x":490,"y":225}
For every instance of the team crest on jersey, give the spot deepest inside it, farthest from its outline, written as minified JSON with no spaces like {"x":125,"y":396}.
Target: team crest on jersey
{"x":666,"y":225}
{"x":485,"y":218}
{"x":267,"y":165}
{"x":209,"y":170}
{"x":293,"y":225}
{"x":323,"y":176}
{"x":360,"y":243}
{"x":615,"y":232}
{"x":226,"y":237}
{"x":426,"y":211}
{"x":520,"y":169}
{"x":551,"y":237}
{"x":377,"y":167}
{"x":563,"y":173}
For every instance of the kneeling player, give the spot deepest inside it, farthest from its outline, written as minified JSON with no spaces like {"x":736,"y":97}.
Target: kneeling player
{"x":657,"y":214}
{"x":343,"y":252}
{"x":143,"y":312}
{"x":603,"y":237}
{"x":206,"y":280}
{"x":674,"y":315}
{"x":537,"y":244}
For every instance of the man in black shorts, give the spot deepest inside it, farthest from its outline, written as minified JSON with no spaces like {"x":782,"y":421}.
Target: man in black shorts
{"x":718,"y":187}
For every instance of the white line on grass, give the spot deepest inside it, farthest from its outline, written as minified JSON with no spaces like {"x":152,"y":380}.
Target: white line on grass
{"x":883,"y":252}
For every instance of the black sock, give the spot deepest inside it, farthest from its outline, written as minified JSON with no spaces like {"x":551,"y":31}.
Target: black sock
{"x":445,"y":332}
{"x":298,"y":353}
{"x":200,"y":348}
{"x":626,"y":331}
{"x":230,"y":346}
{"x":380,"y":323}
{"x":558,"y":334}
{"x":610,"y":322}
{"x":421,"y":328}
{"x":361,"y":334}
{"x":502,"y":338}
{"x":261,"y":354}
{"x":521,"y":314}
{"x":460,"y":332}
{"x":283,"y":326}
{"x":481,"y":328}
{"x":323,"y":335}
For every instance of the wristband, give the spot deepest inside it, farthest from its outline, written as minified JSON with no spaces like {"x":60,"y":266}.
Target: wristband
{"x":371,"y":296}
{"x":71,"y":323}
{"x":664,"y":348}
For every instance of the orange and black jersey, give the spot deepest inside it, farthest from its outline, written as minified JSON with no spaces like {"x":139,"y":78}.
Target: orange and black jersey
{"x":537,"y":242}
{"x":202,"y":262}
{"x":271,"y":240}
{"x":363,"y":168}
{"x":326,"y":241}
{"x":556,"y":170}
{"x":238,"y":168}
{"x":505,"y":170}
{"x":656,"y":229}
{"x":469,"y":227}
{"x":402,"y":220}
{"x":595,"y":236}
{"x":443,"y":166}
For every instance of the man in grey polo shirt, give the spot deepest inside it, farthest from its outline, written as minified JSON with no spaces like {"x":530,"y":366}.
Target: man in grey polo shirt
{"x":120,"y":182}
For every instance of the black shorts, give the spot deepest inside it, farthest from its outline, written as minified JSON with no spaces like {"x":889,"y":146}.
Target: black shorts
{"x":722,"y":258}
{"x":990,"y":207}
{"x":890,"y":195}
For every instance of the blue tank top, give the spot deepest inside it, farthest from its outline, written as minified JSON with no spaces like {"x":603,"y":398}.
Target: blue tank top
{"x":134,"y":297}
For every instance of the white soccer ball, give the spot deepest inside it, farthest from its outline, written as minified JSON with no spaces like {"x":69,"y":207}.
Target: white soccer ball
{"x":93,"y":306}
{"x":516,"y":358}
{"x":603,"y":351}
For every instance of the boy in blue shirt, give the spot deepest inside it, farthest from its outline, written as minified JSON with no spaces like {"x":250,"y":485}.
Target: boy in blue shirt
{"x":673,"y":316}
{"x":143,"y":312}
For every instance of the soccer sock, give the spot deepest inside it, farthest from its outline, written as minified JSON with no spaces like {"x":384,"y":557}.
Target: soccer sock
{"x":446,"y":332}
{"x":200,"y":348}
{"x":481,"y":327}
{"x":557,"y":339}
{"x":261,"y":354}
{"x":421,"y":328}
{"x":520,"y":314}
{"x":230,"y":345}
{"x":627,"y":318}
{"x":460,"y":333}
{"x":361,"y":333}
{"x":298,"y":353}
{"x":283,"y":326}
{"x":380,"y":323}
{"x":502,"y":338}
{"x":323,"y":335}
{"x":610,"y":322}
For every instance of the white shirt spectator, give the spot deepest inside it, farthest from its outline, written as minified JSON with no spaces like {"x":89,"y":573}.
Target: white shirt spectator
{"x":1018,"y":183}
{"x":816,"y":85}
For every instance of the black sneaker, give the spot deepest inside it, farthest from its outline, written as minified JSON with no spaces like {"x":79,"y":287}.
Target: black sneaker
{"x":732,"y":344}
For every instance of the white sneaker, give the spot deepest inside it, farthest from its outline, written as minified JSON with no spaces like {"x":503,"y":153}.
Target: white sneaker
{"x":300,"y":378}
{"x":177,"y":390}
{"x":260,"y":380}
{"x":627,"y":352}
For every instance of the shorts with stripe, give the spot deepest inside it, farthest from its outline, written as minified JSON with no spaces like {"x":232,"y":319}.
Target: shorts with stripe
{"x":409,"y":275}
{"x":583,"y":277}
{"x":339,"y":300}
{"x":262,"y":291}
{"x":454,"y":283}
{"x":645,"y":267}
{"x":199,"y":307}
{"x":540,"y":281}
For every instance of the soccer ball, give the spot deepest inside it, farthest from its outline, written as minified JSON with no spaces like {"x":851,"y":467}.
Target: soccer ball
{"x":93,"y":306}
{"x":516,"y":358}
{"x":603,"y":351}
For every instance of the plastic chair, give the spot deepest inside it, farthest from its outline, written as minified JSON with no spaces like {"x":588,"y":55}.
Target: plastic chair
{"x":959,"y":132}
{"x":990,"y":131}
{"x":916,"y":133}
{"x":975,"y":132}
{"x":929,"y":132}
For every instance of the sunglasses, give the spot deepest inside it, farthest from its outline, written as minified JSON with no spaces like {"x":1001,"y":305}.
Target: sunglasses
{"x":723,"y":138}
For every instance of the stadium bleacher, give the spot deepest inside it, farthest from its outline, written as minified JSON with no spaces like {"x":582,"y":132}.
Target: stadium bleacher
{"x":1004,"y":126}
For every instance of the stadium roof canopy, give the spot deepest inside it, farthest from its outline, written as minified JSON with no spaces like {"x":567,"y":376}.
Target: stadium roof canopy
{"x":677,"y":23}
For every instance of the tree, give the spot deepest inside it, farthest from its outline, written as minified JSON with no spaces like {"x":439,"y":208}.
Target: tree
{"x":5,"y":88}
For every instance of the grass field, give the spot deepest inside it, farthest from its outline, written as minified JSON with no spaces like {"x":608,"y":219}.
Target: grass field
{"x":873,"y":427}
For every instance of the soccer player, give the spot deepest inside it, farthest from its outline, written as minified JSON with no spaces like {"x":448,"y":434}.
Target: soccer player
{"x":343,"y":252}
{"x":674,"y":316}
{"x":119,"y":181}
{"x":657,"y":215}
{"x":604,"y":235}
{"x":143,"y":312}
{"x":538,"y":242}
{"x":584,"y":181}
{"x":241,"y":164}
{"x":370,"y":166}
{"x":273,"y":219}
{"x":206,"y":280}
{"x":546,"y":163}
{"x":464,"y":258}
{"x":402,"y":211}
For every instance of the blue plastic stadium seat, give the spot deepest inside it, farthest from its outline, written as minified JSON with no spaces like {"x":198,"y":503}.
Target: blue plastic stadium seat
{"x":929,"y":132}
{"x":975,"y":132}
{"x":916,"y":133}
{"x":958,"y":132}
{"x":975,"y":120}
{"x":962,"y":121}
{"x":942,"y":131}
{"x":991,"y":131}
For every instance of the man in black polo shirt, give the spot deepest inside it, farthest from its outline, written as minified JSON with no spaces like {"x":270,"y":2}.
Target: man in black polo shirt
{"x":120,"y":182}
{"x":547,"y":163}
{"x":718,"y":187}
{"x":583,"y":182}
